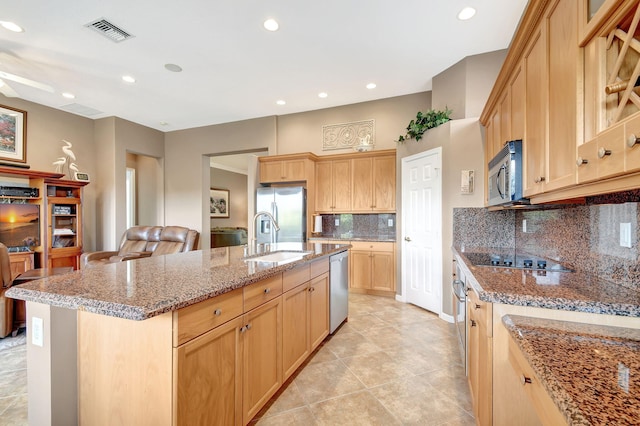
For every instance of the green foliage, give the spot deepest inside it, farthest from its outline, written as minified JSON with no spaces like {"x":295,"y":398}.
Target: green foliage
{"x":424,"y":122}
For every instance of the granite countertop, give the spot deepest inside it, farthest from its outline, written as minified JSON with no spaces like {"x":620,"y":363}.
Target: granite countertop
{"x":571,"y":291}
{"x":590,"y":371}
{"x":143,"y":288}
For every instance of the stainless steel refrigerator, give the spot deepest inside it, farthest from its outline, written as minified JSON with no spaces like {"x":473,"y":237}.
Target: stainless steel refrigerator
{"x":288,"y":205}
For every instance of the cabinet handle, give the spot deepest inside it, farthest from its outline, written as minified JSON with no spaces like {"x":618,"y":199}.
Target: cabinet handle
{"x":580,"y":161}
{"x":524,"y":379}
{"x":539,"y":179}
{"x":311,"y":289}
{"x":477,"y":306}
{"x":248,"y":327}
{"x":633,"y":140}
{"x":217,"y":312}
{"x":243,"y":329}
{"x":267,"y":290}
{"x":473,"y":323}
{"x":407,"y":239}
{"x":603,"y":152}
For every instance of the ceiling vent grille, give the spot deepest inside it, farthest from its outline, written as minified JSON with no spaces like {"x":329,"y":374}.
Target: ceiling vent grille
{"x":110,"y":31}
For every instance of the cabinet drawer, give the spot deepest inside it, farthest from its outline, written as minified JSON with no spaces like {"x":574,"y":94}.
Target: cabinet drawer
{"x":319,"y":267}
{"x":258,"y":293}
{"x":546,"y":409}
{"x":295,"y":277}
{"x":197,"y":319}
{"x":481,"y":311}
{"x":372,"y":246}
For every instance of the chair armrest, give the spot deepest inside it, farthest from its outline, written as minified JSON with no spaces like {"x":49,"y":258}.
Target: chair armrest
{"x":85,"y":258}
{"x":130,"y":256}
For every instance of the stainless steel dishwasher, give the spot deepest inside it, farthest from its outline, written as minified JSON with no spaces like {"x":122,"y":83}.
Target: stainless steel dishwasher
{"x":338,"y":289}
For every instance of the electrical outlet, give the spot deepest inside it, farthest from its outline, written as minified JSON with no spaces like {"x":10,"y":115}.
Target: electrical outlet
{"x":524,"y":226}
{"x":390,"y":222}
{"x":337,"y":222}
{"x":37,"y":331}
{"x":625,"y":235}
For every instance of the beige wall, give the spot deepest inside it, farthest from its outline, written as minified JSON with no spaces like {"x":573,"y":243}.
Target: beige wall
{"x":303,"y":131}
{"x":465,"y":86}
{"x":187,"y":168}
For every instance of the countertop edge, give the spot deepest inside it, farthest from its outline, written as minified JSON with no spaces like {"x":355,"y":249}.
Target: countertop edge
{"x":139,"y":313}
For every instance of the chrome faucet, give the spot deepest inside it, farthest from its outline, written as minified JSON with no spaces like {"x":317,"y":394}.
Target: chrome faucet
{"x":273,"y":220}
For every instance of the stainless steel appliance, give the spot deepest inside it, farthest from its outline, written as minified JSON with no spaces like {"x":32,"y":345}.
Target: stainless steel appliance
{"x":338,"y":289}
{"x":288,"y":206}
{"x":459,"y":298}
{"x":505,"y":176}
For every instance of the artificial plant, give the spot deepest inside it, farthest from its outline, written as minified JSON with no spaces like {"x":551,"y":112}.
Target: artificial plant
{"x":424,"y":122}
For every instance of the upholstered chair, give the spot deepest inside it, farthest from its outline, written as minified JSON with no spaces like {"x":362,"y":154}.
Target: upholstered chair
{"x":6,"y":304}
{"x":145,"y":241}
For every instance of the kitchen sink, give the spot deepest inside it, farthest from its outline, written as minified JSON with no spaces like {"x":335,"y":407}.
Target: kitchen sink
{"x":279,"y":256}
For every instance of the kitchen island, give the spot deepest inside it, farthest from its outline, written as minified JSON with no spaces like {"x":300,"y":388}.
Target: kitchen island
{"x":188,"y":338}
{"x":515,"y":310}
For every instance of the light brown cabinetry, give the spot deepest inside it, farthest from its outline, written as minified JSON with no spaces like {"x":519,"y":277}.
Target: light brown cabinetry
{"x":374,"y":188}
{"x":333,"y":190}
{"x":305,"y":313}
{"x":286,"y":168}
{"x":372,"y":267}
{"x":63,"y":204}
{"x":215,"y":362}
{"x":20,"y":262}
{"x":479,"y":317}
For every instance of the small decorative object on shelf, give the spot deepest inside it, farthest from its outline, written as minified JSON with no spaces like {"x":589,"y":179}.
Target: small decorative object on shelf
{"x":69,"y":161}
{"x":364,"y":145}
{"x":424,"y":122}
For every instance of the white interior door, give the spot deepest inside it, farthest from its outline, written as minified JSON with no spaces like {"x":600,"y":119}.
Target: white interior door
{"x":421,"y":229}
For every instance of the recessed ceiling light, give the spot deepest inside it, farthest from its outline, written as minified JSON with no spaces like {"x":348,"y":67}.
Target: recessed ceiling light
{"x":69,"y":95}
{"x":371,"y":86}
{"x":128,"y":79}
{"x":12,"y":26}
{"x":271,"y":25}
{"x":466,"y":13}
{"x":164,"y":123}
{"x":280,"y":102}
{"x":322,"y":94}
{"x":173,"y":67}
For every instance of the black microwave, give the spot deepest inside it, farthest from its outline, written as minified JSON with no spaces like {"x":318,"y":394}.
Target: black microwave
{"x":506,"y":177}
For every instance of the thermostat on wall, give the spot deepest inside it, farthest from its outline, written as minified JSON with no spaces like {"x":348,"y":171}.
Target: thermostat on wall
{"x":81,"y":177}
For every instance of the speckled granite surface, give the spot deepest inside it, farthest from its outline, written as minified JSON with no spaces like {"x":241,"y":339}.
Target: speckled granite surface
{"x":571,"y":291}
{"x":364,"y":227}
{"x":141,"y":289}
{"x":590,"y":372}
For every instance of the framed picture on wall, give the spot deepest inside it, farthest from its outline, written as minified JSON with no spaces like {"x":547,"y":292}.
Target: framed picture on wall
{"x":219,"y":202}
{"x":13,"y":134}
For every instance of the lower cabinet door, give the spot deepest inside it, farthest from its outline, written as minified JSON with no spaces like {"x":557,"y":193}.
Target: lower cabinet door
{"x":261,"y":339}
{"x":360,"y":269}
{"x":319,"y":309}
{"x":383,"y":271}
{"x":295,"y":336}
{"x":208,"y":378}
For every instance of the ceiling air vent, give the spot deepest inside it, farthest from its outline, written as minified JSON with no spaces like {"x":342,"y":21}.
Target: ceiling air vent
{"x":109,"y":30}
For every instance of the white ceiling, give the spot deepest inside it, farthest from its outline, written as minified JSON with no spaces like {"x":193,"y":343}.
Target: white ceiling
{"x":233,"y":68}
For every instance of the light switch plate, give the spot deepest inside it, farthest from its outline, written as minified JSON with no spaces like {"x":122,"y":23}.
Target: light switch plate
{"x":625,"y":235}
{"x":337,"y":222}
{"x":37,"y":331}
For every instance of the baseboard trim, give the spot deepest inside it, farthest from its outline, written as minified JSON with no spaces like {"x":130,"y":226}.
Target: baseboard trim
{"x":446,"y":317}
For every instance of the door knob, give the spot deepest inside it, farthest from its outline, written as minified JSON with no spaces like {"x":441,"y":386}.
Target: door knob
{"x":407,"y":239}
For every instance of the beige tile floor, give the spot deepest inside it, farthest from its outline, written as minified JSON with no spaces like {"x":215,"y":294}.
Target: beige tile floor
{"x":390,"y":364}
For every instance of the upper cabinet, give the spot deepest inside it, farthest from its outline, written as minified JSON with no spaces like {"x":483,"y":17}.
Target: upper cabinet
{"x":286,"y":168}
{"x":333,"y":191}
{"x":564,"y":91}
{"x":374,"y":184}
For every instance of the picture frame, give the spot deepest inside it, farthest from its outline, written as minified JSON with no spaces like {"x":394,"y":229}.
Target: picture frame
{"x":219,"y":203}
{"x":13,"y":134}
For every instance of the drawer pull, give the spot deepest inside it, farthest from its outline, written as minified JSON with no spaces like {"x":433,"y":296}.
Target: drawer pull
{"x":633,"y":140}
{"x":603,"y":152}
{"x":524,"y":379}
{"x":267,"y":290}
{"x":580,"y":161}
{"x":217,"y":312}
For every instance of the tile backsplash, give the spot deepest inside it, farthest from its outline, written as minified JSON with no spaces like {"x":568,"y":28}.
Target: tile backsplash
{"x":586,"y":237}
{"x":375,"y":226}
